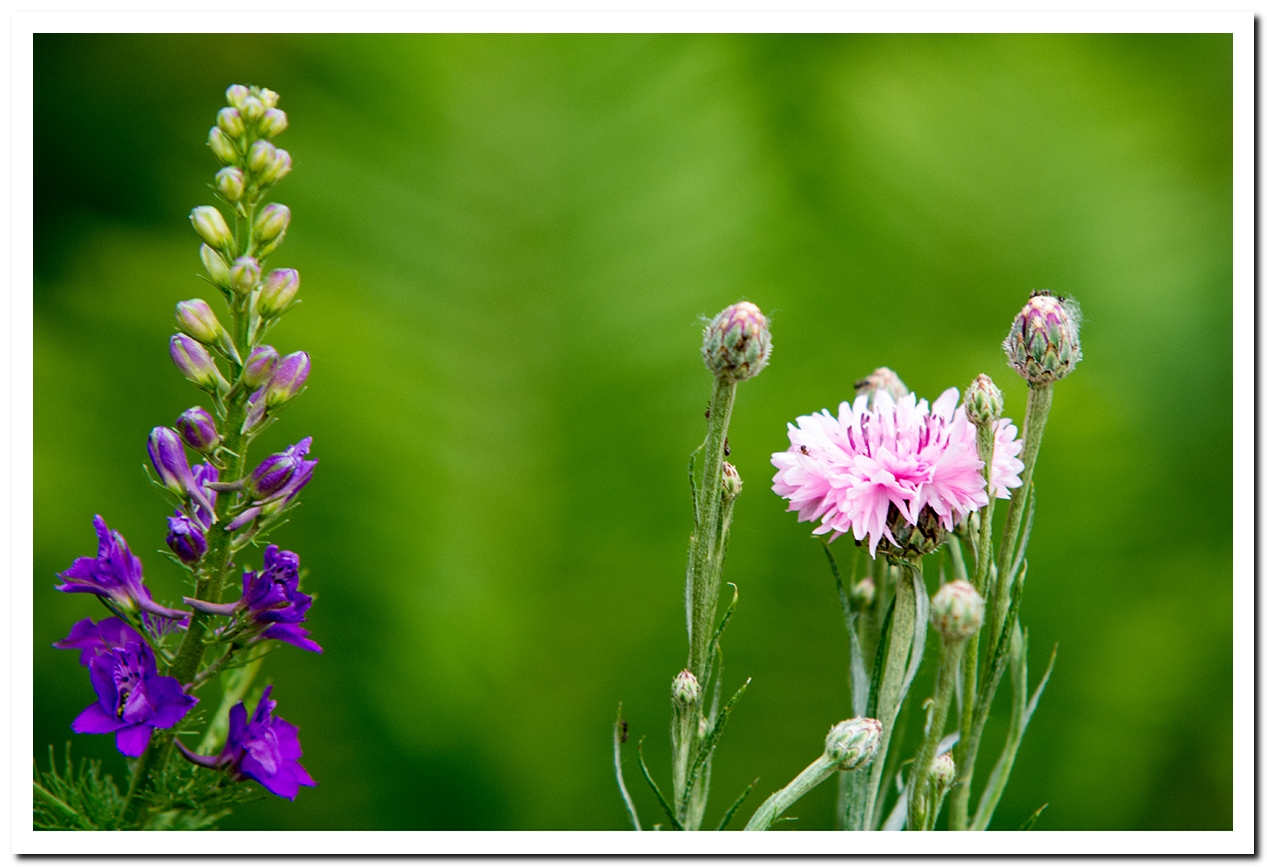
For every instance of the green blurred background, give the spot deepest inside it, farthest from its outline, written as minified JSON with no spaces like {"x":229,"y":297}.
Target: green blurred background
{"x":506,"y":244}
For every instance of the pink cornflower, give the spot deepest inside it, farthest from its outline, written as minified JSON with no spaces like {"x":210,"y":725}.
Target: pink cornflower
{"x":894,"y":461}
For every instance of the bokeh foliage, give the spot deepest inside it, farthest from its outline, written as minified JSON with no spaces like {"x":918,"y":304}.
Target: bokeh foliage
{"x":506,"y":243}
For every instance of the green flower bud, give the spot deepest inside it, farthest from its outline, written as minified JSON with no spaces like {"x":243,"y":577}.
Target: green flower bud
{"x":252,"y":109}
{"x":260,"y":156}
{"x":231,"y":122}
{"x":731,"y":484}
{"x":222,"y":146}
{"x":737,"y":342}
{"x":863,"y":594}
{"x":686,"y":689}
{"x":244,"y":275}
{"x":882,"y":379}
{"x":272,"y":222}
{"x":211,"y":227}
{"x":983,"y":401}
{"x":852,"y":743}
{"x":913,"y":540}
{"x":236,"y":94}
{"x":941,"y":774}
{"x":277,"y":169}
{"x":956,"y":611}
{"x":273,"y":123}
{"x":1043,"y":343}
{"x":278,"y":291}
{"x":230,"y":183}
{"x":217,"y":268}
{"x":268,"y":97}
{"x":196,"y":318}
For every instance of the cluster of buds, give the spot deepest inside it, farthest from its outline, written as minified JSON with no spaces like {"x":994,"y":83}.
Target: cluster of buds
{"x":241,"y":140}
{"x":737,"y":342}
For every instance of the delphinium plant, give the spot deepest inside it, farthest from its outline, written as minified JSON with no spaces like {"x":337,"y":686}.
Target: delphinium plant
{"x":150,"y":665}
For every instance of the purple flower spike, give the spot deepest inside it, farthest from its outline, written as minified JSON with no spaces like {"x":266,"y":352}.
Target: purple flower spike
{"x":93,"y":639}
{"x":132,"y":698}
{"x":167,"y":454}
{"x":282,"y":474}
{"x":114,"y":575}
{"x":265,"y":749}
{"x":288,"y":379}
{"x":198,"y":429}
{"x":186,"y":539}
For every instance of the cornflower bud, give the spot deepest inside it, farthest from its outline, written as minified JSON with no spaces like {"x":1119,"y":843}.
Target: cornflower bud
{"x":273,"y":123}
{"x":288,"y":379}
{"x":259,"y":366}
{"x":863,"y":593}
{"x":231,"y":183}
{"x":210,"y":225}
{"x":737,"y":342}
{"x":941,"y":774}
{"x":278,"y":291}
{"x":196,"y":318}
{"x":230,"y":121}
{"x":252,"y":109}
{"x":881,"y":379}
{"x":213,"y":262}
{"x":956,"y":611}
{"x":192,"y":359}
{"x":686,"y":689}
{"x":272,"y":222}
{"x":277,"y":169}
{"x":244,"y":275}
{"x":261,"y":156}
{"x":731,"y":484}
{"x":198,"y":429}
{"x":852,"y":743}
{"x":983,"y":401}
{"x":186,"y":539}
{"x":222,"y":146}
{"x":268,"y":97}
{"x":236,"y":94}
{"x":1043,"y":343}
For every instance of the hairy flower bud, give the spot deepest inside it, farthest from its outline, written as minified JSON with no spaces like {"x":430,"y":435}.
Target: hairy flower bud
{"x":686,"y":690}
{"x":210,"y":225}
{"x":1043,"y":343}
{"x":863,"y":593}
{"x":231,"y":183}
{"x":236,"y":94}
{"x":231,"y":122}
{"x":252,"y":109}
{"x":259,"y":366}
{"x":192,"y":359}
{"x":244,"y":275}
{"x":277,"y":168}
{"x":852,"y":743}
{"x":217,"y":269}
{"x":731,"y":484}
{"x":737,"y":342}
{"x":186,"y":539}
{"x":222,"y":146}
{"x":198,"y":429}
{"x":272,"y":222}
{"x":881,"y":379}
{"x":196,"y":318}
{"x":983,"y":401}
{"x":278,"y":291}
{"x":956,"y":611}
{"x":260,"y":156}
{"x":273,"y":123}
{"x":288,"y":379}
{"x":941,"y":774}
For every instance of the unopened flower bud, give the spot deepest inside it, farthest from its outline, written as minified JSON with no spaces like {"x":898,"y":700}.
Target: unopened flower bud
{"x":186,"y":539}
{"x":244,"y":275}
{"x":882,"y":379}
{"x":278,"y":167}
{"x":272,"y":222}
{"x":168,"y":458}
{"x":941,"y":774}
{"x":1043,"y":343}
{"x":222,"y":146}
{"x":278,"y":291}
{"x":261,"y":156}
{"x":983,"y":401}
{"x":252,"y":109}
{"x":268,"y":97}
{"x":731,"y":484}
{"x":281,"y":475}
{"x":217,"y":269}
{"x":288,"y":379}
{"x":230,"y":183}
{"x":956,"y":611}
{"x":231,"y":122}
{"x":192,"y":359}
{"x":273,"y":123}
{"x":196,"y":318}
{"x":259,"y":366}
{"x":737,"y":342}
{"x":686,"y":691}
{"x":852,"y":743}
{"x":236,"y":94}
{"x":198,"y":429}
{"x":863,"y":593}
{"x":211,"y":227}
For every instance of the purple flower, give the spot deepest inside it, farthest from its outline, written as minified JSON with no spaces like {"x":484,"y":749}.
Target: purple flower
{"x":167,"y":454}
{"x":93,"y":639}
{"x":281,"y":476}
{"x":288,"y":378}
{"x":259,"y":366}
{"x":186,"y":539}
{"x":198,"y":429}
{"x":265,"y":749}
{"x":132,"y":698}
{"x":114,"y":575}
{"x":192,"y":359}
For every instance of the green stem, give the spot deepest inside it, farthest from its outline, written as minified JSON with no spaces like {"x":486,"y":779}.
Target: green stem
{"x":775,"y":805}
{"x":947,"y":673}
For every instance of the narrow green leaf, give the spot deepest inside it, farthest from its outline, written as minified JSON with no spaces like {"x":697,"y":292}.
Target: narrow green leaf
{"x":714,"y":645}
{"x":725,"y":820}
{"x":1028,"y":824}
{"x":710,"y":743}
{"x":882,"y":647}
{"x":642,"y":763}
{"x":620,"y":734}
{"x":859,"y":682}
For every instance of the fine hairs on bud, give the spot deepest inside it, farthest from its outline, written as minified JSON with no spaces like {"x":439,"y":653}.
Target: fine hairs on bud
{"x":942,"y":773}
{"x":737,"y":342}
{"x":983,"y":402}
{"x":731,"y":484}
{"x":686,"y":690}
{"x":956,"y":611}
{"x":1043,"y":343}
{"x":853,"y":742}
